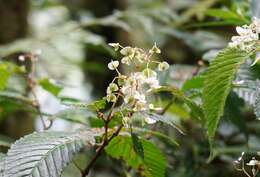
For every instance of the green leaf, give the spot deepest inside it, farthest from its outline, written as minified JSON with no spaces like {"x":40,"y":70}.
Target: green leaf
{"x":178,"y":94}
{"x":193,"y":83}
{"x":98,"y":105}
{"x":137,"y":145}
{"x":6,"y":70}
{"x":154,"y":160}
{"x":217,"y":85}
{"x":45,"y":153}
{"x":222,"y":14}
{"x":153,"y":164}
{"x":122,"y":147}
{"x":50,"y":86}
{"x":4,"y":76}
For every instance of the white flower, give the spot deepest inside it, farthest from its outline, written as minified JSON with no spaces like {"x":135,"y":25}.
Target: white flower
{"x":128,"y":51}
{"x":126,"y":60}
{"x":255,"y":25}
{"x":140,"y":97}
{"x":153,"y":82}
{"x":129,"y":99}
{"x":155,"y":49}
{"x":248,"y":35}
{"x":112,"y":88}
{"x":115,"y":45}
{"x":121,"y":79}
{"x":163,"y":66}
{"x":113,"y":65}
{"x":135,"y":86}
{"x":243,"y":30}
{"x":111,"y":98}
{"x":149,"y":73}
{"x":253,"y":162}
{"x":140,"y":55}
{"x":139,"y":106}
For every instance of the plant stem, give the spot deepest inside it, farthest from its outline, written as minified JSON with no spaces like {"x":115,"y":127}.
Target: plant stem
{"x":100,"y":150}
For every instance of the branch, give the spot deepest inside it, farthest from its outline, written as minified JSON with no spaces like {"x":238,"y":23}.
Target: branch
{"x":99,"y":151}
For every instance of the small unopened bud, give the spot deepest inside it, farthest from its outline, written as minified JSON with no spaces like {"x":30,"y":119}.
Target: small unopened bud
{"x":155,"y":49}
{"x":115,"y":45}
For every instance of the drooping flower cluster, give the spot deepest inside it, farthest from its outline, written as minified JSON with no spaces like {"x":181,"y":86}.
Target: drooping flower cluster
{"x":248,"y":35}
{"x":134,"y":86}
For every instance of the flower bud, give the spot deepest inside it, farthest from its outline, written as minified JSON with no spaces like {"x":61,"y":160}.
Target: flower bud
{"x":113,"y":65}
{"x":155,"y":49}
{"x":115,"y":45}
{"x":163,"y":66}
{"x":112,"y":88}
{"x":111,"y":98}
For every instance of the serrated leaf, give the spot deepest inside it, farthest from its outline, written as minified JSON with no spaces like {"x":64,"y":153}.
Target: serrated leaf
{"x":122,"y":147}
{"x":138,"y":147}
{"x":50,"y":86}
{"x":44,"y":154}
{"x":154,"y":160}
{"x":217,"y":85}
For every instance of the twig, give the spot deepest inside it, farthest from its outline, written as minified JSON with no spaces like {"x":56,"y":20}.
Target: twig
{"x":37,"y":107}
{"x":99,"y":151}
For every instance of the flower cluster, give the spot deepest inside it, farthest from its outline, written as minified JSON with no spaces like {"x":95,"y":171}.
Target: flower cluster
{"x":254,"y":164}
{"x":135,"y":86}
{"x":248,"y":35}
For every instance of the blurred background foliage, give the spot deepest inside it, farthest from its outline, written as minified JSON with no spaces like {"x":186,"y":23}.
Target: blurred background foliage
{"x":73,"y":35}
